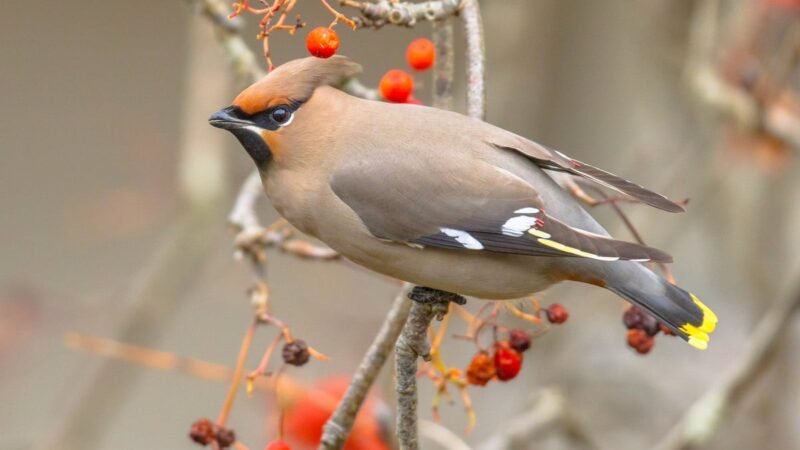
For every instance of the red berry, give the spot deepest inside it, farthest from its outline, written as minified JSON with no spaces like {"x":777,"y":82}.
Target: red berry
{"x":396,"y":86}
{"x":277,"y":445}
{"x":202,"y":431}
{"x":520,"y":340}
{"x":420,"y":54}
{"x":507,"y":362}
{"x":411,"y":100}
{"x":322,"y":42}
{"x":481,"y":369}
{"x":640,"y":341}
{"x":556,"y":313}
{"x":635,"y":317}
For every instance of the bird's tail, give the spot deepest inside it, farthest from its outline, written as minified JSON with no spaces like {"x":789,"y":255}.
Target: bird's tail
{"x":679,"y":310}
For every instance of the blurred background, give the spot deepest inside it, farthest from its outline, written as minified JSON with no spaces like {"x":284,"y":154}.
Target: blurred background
{"x":114,"y":194}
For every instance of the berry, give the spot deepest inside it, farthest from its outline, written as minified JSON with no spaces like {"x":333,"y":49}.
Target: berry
{"x":420,"y":54}
{"x":322,"y":42}
{"x":481,"y":369}
{"x":277,"y":445}
{"x":556,"y":313}
{"x":640,"y":341}
{"x":520,"y":340}
{"x":507,"y":362}
{"x":665,"y":329}
{"x":202,"y":431}
{"x":396,"y":86}
{"x":296,"y":352}
{"x":637,"y":318}
{"x":225,"y":437}
{"x":411,"y":100}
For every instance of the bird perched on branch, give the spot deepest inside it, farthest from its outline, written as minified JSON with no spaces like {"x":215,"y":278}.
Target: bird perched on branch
{"x":439,"y":199}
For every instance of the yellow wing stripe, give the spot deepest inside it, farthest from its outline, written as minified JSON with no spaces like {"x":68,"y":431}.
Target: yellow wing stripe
{"x":574,"y":251}
{"x":698,"y":336}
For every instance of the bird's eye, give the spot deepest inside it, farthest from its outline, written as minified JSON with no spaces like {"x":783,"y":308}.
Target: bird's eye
{"x":281,"y":115}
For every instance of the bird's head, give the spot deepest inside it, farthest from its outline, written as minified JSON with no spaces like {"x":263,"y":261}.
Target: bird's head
{"x":265,"y":116}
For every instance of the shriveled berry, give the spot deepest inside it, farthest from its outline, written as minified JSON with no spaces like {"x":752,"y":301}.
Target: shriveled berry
{"x":322,"y":42}
{"x":396,"y":86}
{"x":519,"y":339}
{"x":225,"y":437}
{"x":640,"y":341}
{"x":556,"y":313}
{"x":507,"y":362}
{"x":420,"y":54}
{"x":277,"y":445}
{"x":637,"y":318}
{"x":202,"y":431}
{"x":481,"y":369}
{"x":296,"y":352}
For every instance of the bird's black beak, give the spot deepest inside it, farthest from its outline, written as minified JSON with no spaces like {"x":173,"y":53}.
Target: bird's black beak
{"x":230,"y":118}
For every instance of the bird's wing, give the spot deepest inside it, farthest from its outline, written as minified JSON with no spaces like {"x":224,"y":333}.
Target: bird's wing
{"x":474,"y":206}
{"x":548,"y":158}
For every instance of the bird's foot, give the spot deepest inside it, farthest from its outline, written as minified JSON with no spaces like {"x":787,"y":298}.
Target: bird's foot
{"x":438,"y":300}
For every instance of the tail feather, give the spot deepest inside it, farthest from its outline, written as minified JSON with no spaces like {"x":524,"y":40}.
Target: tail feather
{"x":676,"y":308}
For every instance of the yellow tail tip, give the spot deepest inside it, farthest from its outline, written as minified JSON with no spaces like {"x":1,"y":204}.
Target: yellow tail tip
{"x":697,"y":336}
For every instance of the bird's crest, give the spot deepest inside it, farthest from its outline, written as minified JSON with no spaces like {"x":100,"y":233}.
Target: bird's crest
{"x":295,"y":81}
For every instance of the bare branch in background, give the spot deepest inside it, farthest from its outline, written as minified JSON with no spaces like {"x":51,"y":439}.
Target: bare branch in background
{"x":476,"y":59}
{"x":443,"y":70}
{"x":705,"y":416}
{"x":387,"y":12}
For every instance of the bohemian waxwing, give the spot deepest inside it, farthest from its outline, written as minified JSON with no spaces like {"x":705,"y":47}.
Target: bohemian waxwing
{"x":439,"y":199}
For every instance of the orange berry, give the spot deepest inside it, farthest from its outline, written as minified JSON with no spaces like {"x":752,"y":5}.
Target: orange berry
{"x":481,"y":369}
{"x":421,"y":54}
{"x":640,"y":341}
{"x":277,"y":445}
{"x":396,"y":86}
{"x":557,"y":314}
{"x":507,"y":362}
{"x":322,"y":42}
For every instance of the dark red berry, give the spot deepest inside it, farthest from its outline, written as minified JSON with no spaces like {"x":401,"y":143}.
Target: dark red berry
{"x":225,"y":437}
{"x":507,"y":362}
{"x":202,"y":431}
{"x":640,"y":341}
{"x":296,"y":352}
{"x":556,"y":313}
{"x":666,"y":330}
{"x":636,"y":318}
{"x":481,"y":369}
{"x":519,"y":339}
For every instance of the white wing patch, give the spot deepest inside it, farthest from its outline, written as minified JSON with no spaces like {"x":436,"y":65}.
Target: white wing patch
{"x":527,"y":210}
{"x":463,"y":238}
{"x":518,"y":225}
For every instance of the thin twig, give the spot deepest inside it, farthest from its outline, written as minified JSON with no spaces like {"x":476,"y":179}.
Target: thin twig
{"x":341,"y":422}
{"x":476,"y":59}
{"x":443,"y":71}
{"x":704,"y":417}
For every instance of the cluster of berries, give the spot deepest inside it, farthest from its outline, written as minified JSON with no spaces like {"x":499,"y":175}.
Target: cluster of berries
{"x":505,"y":361}
{"x":642,"y":329}
{"x":206,"y":432}
{"x":396,"y":85}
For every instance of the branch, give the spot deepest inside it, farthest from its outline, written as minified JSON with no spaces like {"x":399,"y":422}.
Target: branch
{"x":476,"y":59}
{"x":443,"y":71}
{"x":413,"y":342}
{"x":341,"y":422}
{"x":404,"y":14}
{"x":707,"y":413}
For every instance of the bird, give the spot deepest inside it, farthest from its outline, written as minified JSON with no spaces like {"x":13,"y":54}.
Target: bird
{"x":439,"y":199}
